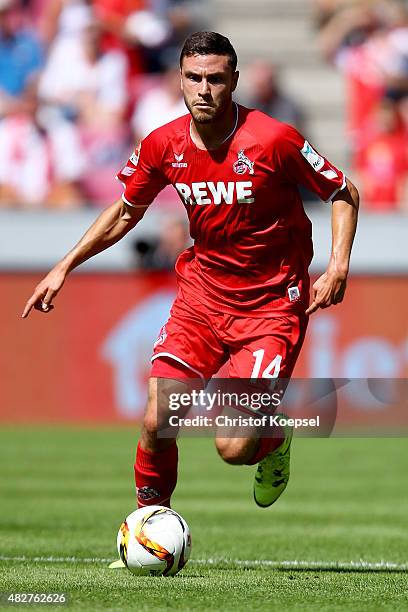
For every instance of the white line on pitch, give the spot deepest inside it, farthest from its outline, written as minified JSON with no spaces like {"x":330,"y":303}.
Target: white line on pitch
{"x":57,"y":559}
{"x":285,"y":564}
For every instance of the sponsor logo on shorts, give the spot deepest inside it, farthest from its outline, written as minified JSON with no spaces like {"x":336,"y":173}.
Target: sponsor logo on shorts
{"x":179,"y":161}
{"x":243,"y":164}
{"x":294,"y":294}
{"x":312,"y":156}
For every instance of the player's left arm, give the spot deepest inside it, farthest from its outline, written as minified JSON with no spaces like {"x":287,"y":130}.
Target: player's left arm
{"x":329,"y":288}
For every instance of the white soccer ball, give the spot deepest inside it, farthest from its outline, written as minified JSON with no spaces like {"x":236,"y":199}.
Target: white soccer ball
{"x":154,"y":541}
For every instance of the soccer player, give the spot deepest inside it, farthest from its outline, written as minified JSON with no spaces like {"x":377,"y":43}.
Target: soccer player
{"x":244,"y":285}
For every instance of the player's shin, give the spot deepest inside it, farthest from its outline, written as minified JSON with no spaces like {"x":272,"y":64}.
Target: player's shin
{"x":156,"y":474}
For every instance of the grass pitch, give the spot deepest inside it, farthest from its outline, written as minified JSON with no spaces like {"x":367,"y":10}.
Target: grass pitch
{"x":323,"y":546}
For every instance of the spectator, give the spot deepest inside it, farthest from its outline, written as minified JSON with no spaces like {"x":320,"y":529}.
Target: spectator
{"x":348,"y":24}
{"x":84,"y":82}
{"x":64,"y":18}
{"x":113,"y":16}
{"x":265,"y":94}
{"x":34,"y":10}
{"x":394,"y":61}
{"x":369,"y":43}
{"x":104,"y":149}
{"x":39,"y":164}
{"x":149,"y":31}
{"x":182,"y":18}
{"x":20,"y":57}
{"x":161,"y":104}
{"x":383,"y":161}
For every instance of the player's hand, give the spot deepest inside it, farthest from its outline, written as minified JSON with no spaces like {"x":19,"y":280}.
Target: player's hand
{"x":45,"y":292}
{"x":329,"y":289}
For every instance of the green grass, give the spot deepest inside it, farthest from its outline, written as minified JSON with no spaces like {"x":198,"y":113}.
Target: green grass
{"x":64,"y":493}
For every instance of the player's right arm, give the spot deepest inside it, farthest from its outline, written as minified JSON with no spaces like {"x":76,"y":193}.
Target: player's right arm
{"x":112,"y":225}
{"x":142,"y":179}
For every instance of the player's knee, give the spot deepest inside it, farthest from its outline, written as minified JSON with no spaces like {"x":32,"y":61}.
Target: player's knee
{"x":155,"y":420}
{"x":150,"y":424}
{"x":231,"y":451}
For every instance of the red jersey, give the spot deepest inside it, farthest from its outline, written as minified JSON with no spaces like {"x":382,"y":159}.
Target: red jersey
{"x":252,"y":238}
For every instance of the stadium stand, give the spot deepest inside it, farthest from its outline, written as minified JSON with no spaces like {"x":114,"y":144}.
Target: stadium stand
{"x":283,"y":34}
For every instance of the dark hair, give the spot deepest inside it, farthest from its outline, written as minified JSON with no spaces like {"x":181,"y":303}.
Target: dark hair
{"x":209,"y":43}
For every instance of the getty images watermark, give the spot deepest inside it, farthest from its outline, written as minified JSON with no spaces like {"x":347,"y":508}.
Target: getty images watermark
{"x":240,"y":401}
{"x":313,"y":407}
{"x":209,"y":400}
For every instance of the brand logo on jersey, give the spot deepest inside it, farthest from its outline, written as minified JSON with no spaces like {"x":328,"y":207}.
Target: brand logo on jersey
{"x":128,"y":171}
{"x":243,"y":164}
{"x":179,"y":161}
{"x":216,"y":193}
{"x":134,"y":158}
{"x":294,"y":294}
{"x":312,"y":156}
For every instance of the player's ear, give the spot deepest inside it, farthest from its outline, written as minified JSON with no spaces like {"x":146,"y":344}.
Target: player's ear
{"x":235,"y":78}
{"x":181,"y":79}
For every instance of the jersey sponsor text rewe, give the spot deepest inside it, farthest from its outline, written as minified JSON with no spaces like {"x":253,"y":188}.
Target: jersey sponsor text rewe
{"x":216,"y":193}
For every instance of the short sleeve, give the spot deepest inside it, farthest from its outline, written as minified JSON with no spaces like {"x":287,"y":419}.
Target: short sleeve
{"x":302,"y":164}
{"x":142,"y":177}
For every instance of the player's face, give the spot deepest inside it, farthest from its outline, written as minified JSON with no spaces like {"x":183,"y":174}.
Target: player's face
{"x":208,"y":82}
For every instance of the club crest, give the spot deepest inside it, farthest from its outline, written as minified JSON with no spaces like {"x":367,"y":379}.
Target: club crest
{"x":243,"y":164}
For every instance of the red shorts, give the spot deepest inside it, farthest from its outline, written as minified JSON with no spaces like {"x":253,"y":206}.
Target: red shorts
{"x":196,"y":341}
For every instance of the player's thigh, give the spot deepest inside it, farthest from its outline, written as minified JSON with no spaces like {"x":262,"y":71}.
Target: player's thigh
{"x":267,"y":348}
{"x":188,"y":339}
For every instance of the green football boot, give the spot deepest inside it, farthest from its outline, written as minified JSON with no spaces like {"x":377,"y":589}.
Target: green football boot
{"x":272,"y":473}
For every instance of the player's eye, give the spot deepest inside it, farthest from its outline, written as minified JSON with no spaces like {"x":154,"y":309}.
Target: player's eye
{"x":194,"y":77}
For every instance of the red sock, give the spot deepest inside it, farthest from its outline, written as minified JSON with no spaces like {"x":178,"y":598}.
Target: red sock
{"x":265,"y":446}
{"x":155,"y":475}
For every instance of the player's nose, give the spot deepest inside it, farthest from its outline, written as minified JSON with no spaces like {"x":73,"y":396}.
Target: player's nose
{"x":204,"y":88}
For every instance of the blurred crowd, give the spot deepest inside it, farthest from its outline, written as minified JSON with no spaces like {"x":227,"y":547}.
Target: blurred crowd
{"x":367,"y":40}
{"x":80,"y":82}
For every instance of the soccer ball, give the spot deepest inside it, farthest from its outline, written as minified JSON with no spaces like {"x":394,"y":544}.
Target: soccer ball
{"x":154,"y":541}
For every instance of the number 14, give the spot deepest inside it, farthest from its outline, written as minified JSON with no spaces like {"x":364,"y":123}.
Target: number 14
{"x":271,"y":371}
